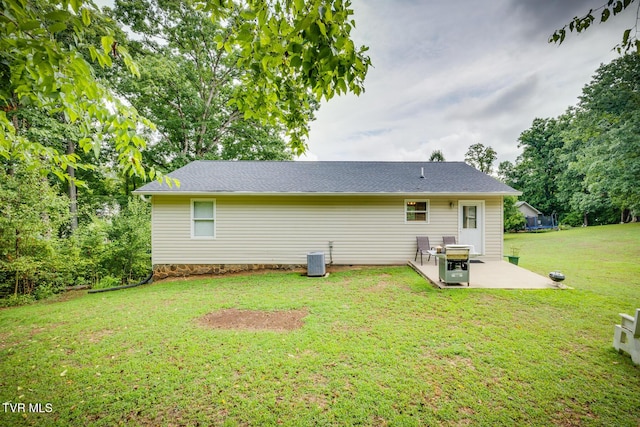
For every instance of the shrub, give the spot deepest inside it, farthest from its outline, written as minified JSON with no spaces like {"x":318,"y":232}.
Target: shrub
{"x":116,"y":246}
{"x":45,"y":291}
{"x":16,"y":300}
{"x":108,"y":282}
{"x":85,"y":251}
{"x":573,"y":219}
{"x":128,"y":251}
{"x":514,"y":220}
{"x":34,"y":260}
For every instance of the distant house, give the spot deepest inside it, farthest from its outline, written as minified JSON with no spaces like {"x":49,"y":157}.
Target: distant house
{"x":228,"y":216}
{"x":527,"y":210}
{"x":535,"y":220}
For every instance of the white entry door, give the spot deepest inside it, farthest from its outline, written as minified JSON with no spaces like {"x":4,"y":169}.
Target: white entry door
{"x":471,"y":224}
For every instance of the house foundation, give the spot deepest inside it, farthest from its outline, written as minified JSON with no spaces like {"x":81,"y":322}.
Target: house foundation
{"x":162,"y":271}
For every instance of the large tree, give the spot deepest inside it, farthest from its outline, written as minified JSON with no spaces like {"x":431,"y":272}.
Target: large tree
{"x":186,"y":84}
{"x":481,"y":157}
{"x":540,"y":164}
{"x":577,"y":201}
{"x":609,"y":125}
{"x":289,"y":49}
{"x":436,"y":156}
{"x":46,"y":57}
{"x":586,"y":162}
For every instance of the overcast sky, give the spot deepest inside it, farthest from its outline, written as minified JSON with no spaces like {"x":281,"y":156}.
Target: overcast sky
{"x":450,"y":73}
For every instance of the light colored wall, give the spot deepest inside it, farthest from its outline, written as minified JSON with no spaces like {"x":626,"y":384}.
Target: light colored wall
{"x":527,"y":211}
{"x":283,"y":229}
{"x":494,"y":229}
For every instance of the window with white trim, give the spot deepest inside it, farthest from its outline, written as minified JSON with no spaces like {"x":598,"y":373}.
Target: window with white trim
{"x":203,"y":218}
{"x":416,"y":211}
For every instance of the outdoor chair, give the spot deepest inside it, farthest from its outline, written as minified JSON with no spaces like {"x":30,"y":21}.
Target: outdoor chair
{"x":448,"y":240}
{"x":626,"y":336}
{"x":423,"y":247}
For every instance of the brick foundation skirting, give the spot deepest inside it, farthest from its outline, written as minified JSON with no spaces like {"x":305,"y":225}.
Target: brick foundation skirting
{"x":161,"y":271}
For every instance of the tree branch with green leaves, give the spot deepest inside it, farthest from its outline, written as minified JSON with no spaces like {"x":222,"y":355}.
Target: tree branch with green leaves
{"x":46,"y":59}
{"x":290,"y":50}
{"x":611,"y":8}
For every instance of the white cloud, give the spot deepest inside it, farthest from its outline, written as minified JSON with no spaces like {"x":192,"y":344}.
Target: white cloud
{"x":450,"y":74}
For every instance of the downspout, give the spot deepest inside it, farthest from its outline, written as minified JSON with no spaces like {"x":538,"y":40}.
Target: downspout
{"x":330,"y":252}
{"x":117,"y":288}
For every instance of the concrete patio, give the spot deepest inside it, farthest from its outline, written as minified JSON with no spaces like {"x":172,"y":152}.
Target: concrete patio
{"x":489,"y":274}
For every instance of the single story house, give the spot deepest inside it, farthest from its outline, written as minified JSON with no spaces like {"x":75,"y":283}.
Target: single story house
{"x":243,"y":215}
{"x":535,"y":220}
{"x":527,"y":210}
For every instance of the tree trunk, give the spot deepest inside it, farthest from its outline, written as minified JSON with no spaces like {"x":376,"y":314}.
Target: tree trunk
{"x":126,"y":184}
{"x":16,"y":126}
{"x":17,"y":254}
{"x":585,"y":220}
{"x":73,"y":191}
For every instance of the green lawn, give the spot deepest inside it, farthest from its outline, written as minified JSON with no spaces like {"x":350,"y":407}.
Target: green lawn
{"x":379,"y":347}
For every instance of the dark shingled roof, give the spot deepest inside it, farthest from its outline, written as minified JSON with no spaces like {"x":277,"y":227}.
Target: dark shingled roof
{"x":258,"y":177}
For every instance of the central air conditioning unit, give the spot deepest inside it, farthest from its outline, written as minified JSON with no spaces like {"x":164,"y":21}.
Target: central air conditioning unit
{"x":315,"y":264}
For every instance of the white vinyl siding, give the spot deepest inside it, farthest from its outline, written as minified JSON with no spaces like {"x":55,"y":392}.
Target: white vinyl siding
{"x":363,"y":229}
{"x":493,"y":228}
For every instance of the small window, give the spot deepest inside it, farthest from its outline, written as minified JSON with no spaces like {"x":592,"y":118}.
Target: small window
{"x":416,"y":210}
{"x":469,"y":217}
{"x":203,"y":219}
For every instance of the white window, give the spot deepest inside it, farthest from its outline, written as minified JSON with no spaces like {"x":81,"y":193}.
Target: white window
{"x":416,"y":211}
{"x":203,"y":218}
{"x":469,"y":217}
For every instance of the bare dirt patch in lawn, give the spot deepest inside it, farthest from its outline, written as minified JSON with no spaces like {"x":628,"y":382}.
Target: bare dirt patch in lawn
{"x":97,"y":336}
{"x":254,"y":320}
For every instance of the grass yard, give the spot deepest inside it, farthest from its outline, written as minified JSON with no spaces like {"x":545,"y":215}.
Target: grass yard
{"x":379,"y":346}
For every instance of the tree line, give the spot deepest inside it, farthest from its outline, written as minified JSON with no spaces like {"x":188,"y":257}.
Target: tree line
{"x":89,"y":112}
{"x":584,"y":165}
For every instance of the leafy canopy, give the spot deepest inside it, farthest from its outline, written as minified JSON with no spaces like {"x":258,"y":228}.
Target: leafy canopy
{"x":436,"y":156}
{"x":481,"y":157}
{"x":286,"y":45}
{"x":609,"y":125}
{"x":586,"y":162}
{"x":185,"y":87}
{"x":45,"y":62}
{"x":289,"y":48}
